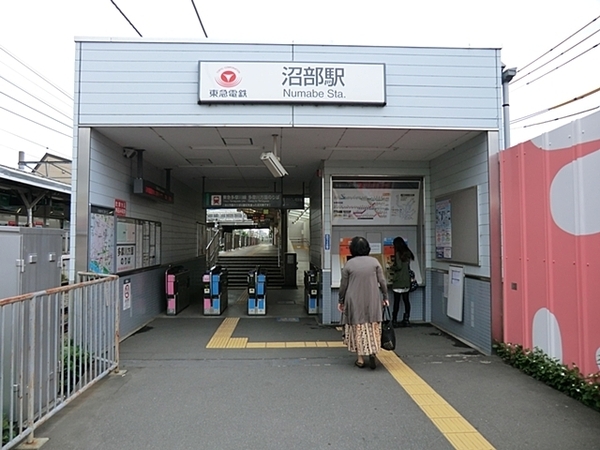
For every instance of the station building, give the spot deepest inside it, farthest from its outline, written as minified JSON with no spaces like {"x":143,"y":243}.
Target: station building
{"x":383,"y":141}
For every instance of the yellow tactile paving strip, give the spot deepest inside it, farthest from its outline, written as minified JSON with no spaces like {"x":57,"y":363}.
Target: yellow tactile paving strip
{"x":222,"y":339}
{"x":460,"y":433}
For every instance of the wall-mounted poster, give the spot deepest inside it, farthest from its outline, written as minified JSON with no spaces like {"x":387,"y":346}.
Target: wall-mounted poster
{"x":388,"y":257}
{"x":101,"y":254}
{"x":138,"y":244}
{"x":443,"y":229}
{"x":375,"y":203}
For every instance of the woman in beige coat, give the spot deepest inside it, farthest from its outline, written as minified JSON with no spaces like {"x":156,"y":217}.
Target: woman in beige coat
{"x":363,"y":292}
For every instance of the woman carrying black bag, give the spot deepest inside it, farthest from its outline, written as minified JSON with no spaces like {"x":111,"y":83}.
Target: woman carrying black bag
{"x":363,"y":293}
{"x":401,"y":281}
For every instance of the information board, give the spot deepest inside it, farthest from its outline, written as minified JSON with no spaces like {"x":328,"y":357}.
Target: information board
{"x":101,"y":250}
{"x":457,"y":227}
{"x":373,"y":202}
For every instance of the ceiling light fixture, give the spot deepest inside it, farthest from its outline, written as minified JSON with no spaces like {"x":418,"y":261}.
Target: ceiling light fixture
{"x":271,"y":160}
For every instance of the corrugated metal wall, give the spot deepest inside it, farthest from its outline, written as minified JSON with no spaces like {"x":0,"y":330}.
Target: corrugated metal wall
{"x":461,"y":168}
{"x":111,"y":176}
{"x":551,"y":238}
{"x":156,"y":83}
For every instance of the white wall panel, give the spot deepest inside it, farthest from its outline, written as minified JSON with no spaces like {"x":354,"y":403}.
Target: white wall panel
{"x":150,"y":83}
{"x":111,"y":177}
{"x":461,"y":168}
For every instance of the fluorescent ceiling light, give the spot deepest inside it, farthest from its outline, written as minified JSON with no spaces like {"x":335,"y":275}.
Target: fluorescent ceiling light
{"x":362,"y":149}
{"x":226,"y":147}
{"x":273,"y":164}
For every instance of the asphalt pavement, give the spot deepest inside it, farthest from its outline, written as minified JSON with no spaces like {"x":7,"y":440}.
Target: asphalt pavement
{"x":286,"y":382}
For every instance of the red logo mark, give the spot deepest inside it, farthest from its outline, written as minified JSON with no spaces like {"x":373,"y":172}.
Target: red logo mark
{"x":228,"y":77}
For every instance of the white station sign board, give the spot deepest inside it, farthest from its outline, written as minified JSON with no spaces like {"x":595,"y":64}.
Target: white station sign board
{"x":292,"y":83}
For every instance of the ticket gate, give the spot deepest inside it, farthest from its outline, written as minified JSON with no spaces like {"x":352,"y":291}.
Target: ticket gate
{"x":257,"y":292}
{"x":312,"y":281}
{"x":215,"y":291}
{"x":177,"y":287}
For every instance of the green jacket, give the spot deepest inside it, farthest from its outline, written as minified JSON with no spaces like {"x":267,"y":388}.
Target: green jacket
{"x":400,"y":275}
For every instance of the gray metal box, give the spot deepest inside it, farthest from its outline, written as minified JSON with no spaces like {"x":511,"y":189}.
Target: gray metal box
{"x":30,"y":259}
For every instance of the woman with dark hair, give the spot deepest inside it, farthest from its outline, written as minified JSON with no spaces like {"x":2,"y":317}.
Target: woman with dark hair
{"x":363,"y":292}
{"x":401,"y":281}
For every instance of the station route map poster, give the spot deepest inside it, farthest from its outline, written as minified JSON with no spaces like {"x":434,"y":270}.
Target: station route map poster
{"x":102,"y":240}
{"x":443,"y":229}
{"x":375,"y":203}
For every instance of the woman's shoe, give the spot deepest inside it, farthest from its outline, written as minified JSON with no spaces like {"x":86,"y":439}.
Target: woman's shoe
{"x":396,"y":324}
{"x":372,"y":363}
{"x":359,"y":364}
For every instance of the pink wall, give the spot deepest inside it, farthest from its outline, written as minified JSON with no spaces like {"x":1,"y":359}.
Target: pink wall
{"x":551,"y":245}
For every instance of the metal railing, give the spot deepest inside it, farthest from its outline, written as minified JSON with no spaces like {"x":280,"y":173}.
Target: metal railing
{"x":213,"y":247}
{"x":54,"y":344}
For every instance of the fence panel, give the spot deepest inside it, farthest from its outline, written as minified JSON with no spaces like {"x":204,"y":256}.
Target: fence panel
{"x":54,"y":344}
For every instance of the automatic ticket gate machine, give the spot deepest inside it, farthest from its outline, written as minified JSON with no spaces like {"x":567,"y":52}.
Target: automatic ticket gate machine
{"x":312,"y":282}
{"x":215,"y":291}
{"x":257,"y":292}
{"x":177,"y":287}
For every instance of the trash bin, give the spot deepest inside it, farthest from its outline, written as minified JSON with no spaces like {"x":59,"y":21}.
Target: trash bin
{"x":177,"y":288}
{"x":290,"y":269}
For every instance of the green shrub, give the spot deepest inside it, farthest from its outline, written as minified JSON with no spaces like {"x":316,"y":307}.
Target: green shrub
{"x":75,"y":363}
{"x":551,"y":371}
{"x":5,"y":430}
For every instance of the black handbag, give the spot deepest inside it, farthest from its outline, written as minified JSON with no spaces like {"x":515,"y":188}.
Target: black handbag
{"x":413,"y":282}
{"x":388,"y":336}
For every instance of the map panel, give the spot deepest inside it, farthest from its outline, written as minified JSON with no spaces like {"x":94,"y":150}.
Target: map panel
{"x":102,"y":240}
{"x":375,"y":203}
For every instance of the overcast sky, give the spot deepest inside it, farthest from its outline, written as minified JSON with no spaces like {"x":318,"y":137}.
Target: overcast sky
{"x":40,"y":34}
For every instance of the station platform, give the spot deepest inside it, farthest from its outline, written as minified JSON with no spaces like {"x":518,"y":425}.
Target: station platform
{"x":284,"y":381}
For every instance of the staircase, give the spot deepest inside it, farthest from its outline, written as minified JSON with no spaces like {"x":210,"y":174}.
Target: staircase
{"x":239,"y":266}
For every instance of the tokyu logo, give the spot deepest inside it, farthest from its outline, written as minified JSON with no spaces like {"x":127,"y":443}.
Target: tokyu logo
{"x":228,"y":77}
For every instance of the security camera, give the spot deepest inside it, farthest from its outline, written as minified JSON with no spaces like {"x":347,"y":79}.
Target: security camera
{"x":129,"y":152}
{"x":272,"y":162}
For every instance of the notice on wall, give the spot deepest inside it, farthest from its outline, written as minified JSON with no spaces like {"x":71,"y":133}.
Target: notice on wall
{"x":454,"y":308}
{"x":375,"y":203}
{"x":125,"y":257}
{"x":443,"y":229}
{"x":102,"y":240}
{"x":126,"y":294}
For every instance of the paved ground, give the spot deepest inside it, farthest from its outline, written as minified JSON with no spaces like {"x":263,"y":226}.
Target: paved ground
{"x":431,"y":393}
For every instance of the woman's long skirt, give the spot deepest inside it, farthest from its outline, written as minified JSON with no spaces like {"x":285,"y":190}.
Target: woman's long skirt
{"x":363,"y":338}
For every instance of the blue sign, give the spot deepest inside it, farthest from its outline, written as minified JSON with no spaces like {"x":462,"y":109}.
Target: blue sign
{"x":328,"y":242}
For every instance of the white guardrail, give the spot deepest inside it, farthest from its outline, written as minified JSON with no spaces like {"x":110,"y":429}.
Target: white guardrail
{"x":54,"y":344}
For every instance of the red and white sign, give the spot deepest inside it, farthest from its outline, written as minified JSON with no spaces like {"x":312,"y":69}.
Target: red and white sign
{"x":126,"y":295}
{"x":216,"y":200}
{"x":120,"y":208}
{"x":292,"y":82}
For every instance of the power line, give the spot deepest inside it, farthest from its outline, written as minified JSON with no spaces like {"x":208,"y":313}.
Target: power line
{"x":563,"y":117}
{"x":28,"y":140}
{"x":560,"y":105}
{"x":199,"y":19}
{"x":37,"y":123}
{"x":36,"y":110}
{"x":36,"y":98}
{"x":128,"y":21}
{"x":36,"y":73}
{"x":516,"y":80}
{"x":563,"y":64}
{"x":558,"y":45}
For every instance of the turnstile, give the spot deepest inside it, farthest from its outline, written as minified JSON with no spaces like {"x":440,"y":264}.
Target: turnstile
{"x":311,"y":291}
{"x":215,"y":291}
{"x":257,"y":292}
{"x":177,"y":287}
